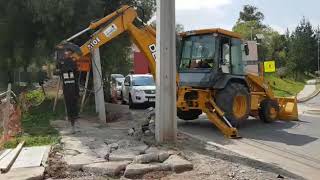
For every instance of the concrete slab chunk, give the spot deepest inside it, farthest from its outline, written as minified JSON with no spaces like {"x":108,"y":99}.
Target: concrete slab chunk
{"x":162,"y":156}
{"x":146,"y":158}
{"x":137,"y":170}
{"x":30,"y":157}
{"x":178,"y":164}
{"x":8,"y":160}
{"x":106,"y":168}
{"x":33,"y":173}
{"x":123,"y":155}
{"x":4,"y":153}
{"x":78,"y":161}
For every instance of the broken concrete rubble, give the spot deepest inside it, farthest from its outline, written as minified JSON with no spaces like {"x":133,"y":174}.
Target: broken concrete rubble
{"x":106,"y":168}
{"x":146,"y":158}
{"x":136,"y":170}
{"x":123,"y":155}
{"x":177,"y":164}
{"x":34,"y":173}
{"x":151,"y":157}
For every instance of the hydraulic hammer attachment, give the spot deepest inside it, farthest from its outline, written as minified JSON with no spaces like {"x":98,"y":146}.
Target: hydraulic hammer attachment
{"x":204,"y":101}
{"x":288,"y":109}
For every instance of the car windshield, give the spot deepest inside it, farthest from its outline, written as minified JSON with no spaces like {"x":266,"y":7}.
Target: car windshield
{"x":198,"y":52}
{"x":143,"y":81}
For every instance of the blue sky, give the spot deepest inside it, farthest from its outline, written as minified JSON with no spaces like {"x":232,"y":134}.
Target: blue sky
{"x":279,"y":14}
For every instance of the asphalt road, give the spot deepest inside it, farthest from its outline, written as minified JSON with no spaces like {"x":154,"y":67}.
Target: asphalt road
{"x":294,"y":146}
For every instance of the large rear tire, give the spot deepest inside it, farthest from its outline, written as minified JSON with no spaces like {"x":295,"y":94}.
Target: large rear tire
{"x":234,"y":100}
{"x":188,"y":115}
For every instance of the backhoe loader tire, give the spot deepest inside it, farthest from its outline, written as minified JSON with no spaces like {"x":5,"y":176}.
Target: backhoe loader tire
{"x":269,"y":110}
{"x":188,"y":115}
{"x":234,"y":100}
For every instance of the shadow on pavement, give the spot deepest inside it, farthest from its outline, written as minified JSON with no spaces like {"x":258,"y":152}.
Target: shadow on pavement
{"x":275,"y":132}
{"x":250,"y":129}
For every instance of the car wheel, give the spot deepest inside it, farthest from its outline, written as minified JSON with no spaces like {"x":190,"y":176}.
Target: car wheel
{"x":122,"y":100}
{"x":131,"y":104}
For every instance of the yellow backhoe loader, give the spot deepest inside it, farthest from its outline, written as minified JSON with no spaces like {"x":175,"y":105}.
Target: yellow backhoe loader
{"x":210,"y":79}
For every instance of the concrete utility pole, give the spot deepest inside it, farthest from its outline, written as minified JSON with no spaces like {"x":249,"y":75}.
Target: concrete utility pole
{"x":166,"y":123}
{"x":98,"y":85}
{"x":318,"y":39}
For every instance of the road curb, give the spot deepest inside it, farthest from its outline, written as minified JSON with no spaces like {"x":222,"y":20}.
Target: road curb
{"x":312,"y":95}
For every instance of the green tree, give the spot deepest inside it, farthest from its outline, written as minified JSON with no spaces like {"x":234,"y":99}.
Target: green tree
{"x":303,"y":49}
{"x":30,"y":29}
{"x":251,"y":13}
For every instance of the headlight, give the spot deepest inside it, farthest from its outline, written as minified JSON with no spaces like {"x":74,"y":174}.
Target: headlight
{"x":138,"y":92}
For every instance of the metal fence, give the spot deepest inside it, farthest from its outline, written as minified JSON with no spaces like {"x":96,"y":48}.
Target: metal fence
{"x":6,"y":99}
{"x":20,"y":78}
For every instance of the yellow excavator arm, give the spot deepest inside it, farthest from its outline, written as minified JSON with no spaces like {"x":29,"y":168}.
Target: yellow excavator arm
{"x":114,"y":25}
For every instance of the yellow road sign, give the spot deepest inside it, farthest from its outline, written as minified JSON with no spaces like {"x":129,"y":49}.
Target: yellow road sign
{"x":269,"y":66}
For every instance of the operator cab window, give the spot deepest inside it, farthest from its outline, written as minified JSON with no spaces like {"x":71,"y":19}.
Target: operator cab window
{"x":198,"y":52}
{"x":225,"y":59}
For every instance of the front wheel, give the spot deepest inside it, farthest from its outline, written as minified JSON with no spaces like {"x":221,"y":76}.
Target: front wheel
{"x":188,"y":115}
{"x":269,"y":110}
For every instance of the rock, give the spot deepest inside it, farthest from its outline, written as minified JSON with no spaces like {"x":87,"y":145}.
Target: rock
{"x":113,"y":146}
{"x":231,"y":175}
{"x":106,"y":168}
{"x":146,"y":158}
{"x":242,"y":171}
{"x":131,"y":132}
{"x":162,"y":156}
{"x":33,"y":173}
{"x":178,"y":164}
{"x":280,"y":177}
{"x":136,"y":170}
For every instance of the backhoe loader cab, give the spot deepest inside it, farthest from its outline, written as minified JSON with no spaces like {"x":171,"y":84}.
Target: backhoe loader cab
{"x":211,"y":61}
{"x":212,"y":80}
{"x":209,"y":58}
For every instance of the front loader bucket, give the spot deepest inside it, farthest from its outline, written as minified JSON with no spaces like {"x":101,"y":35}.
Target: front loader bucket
{"x":288,"y":109}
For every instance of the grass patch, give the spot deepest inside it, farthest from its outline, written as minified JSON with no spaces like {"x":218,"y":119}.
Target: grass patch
{"x":284,"y":87}
{"x":36,"y":125}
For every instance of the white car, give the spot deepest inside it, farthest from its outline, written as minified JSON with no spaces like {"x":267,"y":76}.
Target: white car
{"x":138,"y":89}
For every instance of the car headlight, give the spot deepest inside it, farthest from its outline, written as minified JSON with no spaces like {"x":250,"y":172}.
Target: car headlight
{"x":138,"y":92}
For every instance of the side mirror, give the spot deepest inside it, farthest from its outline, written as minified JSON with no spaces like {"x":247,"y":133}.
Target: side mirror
{"x":246,"y":49}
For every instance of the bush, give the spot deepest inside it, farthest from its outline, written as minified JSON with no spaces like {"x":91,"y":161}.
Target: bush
{"x":35,"y":97}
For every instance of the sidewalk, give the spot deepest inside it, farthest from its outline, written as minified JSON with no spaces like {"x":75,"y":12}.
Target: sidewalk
{"x":311,"y":89}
